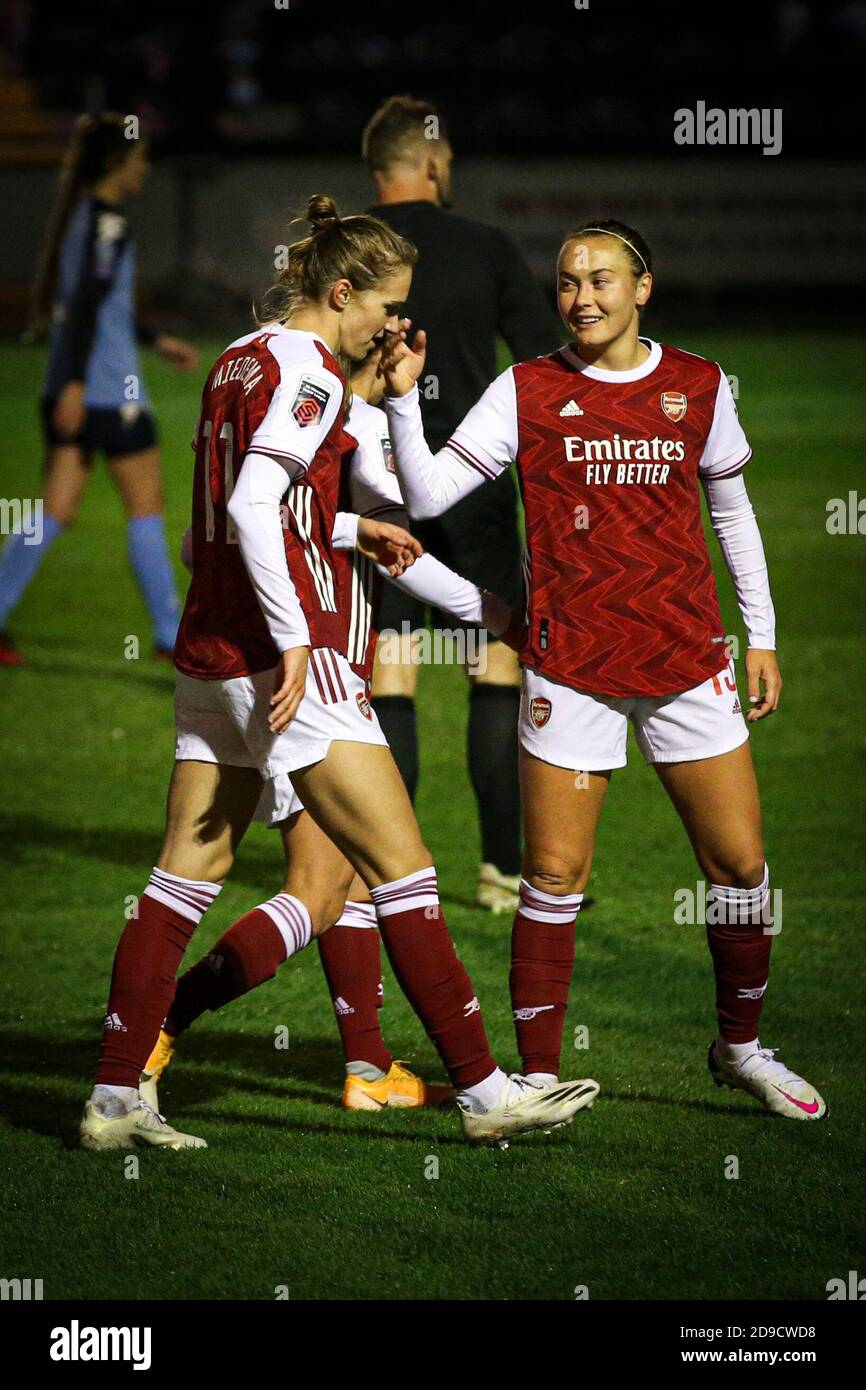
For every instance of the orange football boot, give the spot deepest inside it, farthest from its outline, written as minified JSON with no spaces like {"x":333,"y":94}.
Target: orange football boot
{"x":400,"y":1089}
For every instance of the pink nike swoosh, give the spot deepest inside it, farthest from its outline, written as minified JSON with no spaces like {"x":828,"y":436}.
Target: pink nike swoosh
{"x":810,"y":1108}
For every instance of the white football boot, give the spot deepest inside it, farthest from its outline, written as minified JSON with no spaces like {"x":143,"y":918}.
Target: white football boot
{"x":138,"y":1126}
{"x":496,"y":891}
{"x":147,"y":1089}
{"x":500,"y":892}
{"x":523,"y":1107}
{"x":154,"y":1067}
{"x":777,"y":1087}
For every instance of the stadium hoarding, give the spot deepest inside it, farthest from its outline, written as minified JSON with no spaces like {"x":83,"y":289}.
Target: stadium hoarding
{"x":715,"y":221}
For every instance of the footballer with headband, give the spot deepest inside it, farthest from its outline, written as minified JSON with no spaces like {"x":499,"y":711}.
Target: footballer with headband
{"x":615,"y":436}
{"x":265,"y":687}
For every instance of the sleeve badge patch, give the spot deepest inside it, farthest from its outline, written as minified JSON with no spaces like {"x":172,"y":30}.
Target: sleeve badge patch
{"x":110,"y":226}
{"x":110,"y":234}
{"x":387,"y":453}
{"x":311,"y":399}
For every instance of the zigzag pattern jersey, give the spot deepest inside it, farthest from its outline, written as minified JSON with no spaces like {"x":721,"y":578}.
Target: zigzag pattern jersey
{"x":620,"y":594}
{"x":279,"y":391}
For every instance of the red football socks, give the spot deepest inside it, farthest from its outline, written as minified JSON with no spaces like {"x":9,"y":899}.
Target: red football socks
{"x":351,"y":959}
{"x":428,"y":971}
{"x":542,"y":959}
{"x":148,"y":954}
{"x":740,"y":936}
{"x":248,"y":954}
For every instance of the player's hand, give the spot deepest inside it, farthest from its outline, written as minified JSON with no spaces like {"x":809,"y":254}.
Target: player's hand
{"x":402,"y":365}
{"x":762,"y":669}
{"x":69,"y":412}
{"x":181,"y":354}
{"x":186,"y":549}
{"x":391,"y":546}
{"x":501,"y":621}
{"x":290,"y":681}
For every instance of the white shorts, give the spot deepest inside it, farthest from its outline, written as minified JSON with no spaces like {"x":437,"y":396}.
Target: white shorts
{"x":278,"y":801}
{"x":227,"y":721}
{"x":587,"y":733}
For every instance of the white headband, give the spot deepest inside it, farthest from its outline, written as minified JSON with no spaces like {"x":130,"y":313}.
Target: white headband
{"x":604,"y":232}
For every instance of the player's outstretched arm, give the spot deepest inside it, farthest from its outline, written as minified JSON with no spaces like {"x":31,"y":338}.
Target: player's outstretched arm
{"x":177,"y":351}
{"x":440,"y":587}
{"x":479,"y":450}
{"x":376,"y":493}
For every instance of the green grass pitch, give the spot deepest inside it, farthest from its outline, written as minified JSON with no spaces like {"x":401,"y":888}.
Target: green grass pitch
{"x":293,"y":1194}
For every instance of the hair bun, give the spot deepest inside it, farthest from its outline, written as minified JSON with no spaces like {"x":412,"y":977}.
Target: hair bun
{"x":322,"y":212}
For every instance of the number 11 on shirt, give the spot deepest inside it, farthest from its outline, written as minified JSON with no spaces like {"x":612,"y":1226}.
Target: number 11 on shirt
{"x":227,"y":435}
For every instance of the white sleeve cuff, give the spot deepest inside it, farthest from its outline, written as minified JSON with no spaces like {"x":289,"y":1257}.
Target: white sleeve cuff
{"x":345,"y":533}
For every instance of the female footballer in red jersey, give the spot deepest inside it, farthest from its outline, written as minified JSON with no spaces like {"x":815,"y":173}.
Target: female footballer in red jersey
{"x":350,"y":949}
{"x":264,"y":688}
{"x":612,"y":436}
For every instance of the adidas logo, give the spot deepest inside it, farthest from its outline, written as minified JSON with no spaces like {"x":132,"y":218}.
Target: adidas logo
{"x":113,"y":1022}
{"x":473,"y":1007}
{"x":524,"y":1015}
{"x":341,"y":1007}
{"x":738,"y":709}
{"x":571,"y":409}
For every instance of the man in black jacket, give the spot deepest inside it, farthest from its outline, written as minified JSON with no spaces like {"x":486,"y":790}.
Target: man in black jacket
{"x":470,"y":286}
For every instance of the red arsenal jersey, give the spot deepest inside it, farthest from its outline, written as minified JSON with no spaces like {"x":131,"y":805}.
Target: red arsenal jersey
{"x":280,"y":392}
{"x":621,"y":598}
{"x":372,"y":491}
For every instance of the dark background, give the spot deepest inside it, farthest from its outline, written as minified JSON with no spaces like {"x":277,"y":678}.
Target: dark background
{"x":555,"y":113}
{"x":516,"y":80}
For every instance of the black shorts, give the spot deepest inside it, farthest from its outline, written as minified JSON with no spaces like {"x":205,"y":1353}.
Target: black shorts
{"x":479,"y":539}
{"x":107,"y":431}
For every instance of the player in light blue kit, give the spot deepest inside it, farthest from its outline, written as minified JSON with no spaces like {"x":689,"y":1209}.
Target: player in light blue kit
{"x":93,"y":397}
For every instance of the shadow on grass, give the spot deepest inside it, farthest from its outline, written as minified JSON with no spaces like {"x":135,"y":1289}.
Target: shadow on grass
{"x":238,"y":1064}
{"x":158,"y":675}
{"x":226,"y":1064}
{"x":705,"y":1106}
{"x":124,"y":846}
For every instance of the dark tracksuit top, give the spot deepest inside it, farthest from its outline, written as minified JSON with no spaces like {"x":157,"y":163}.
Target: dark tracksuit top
{"x":94,"y":332}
